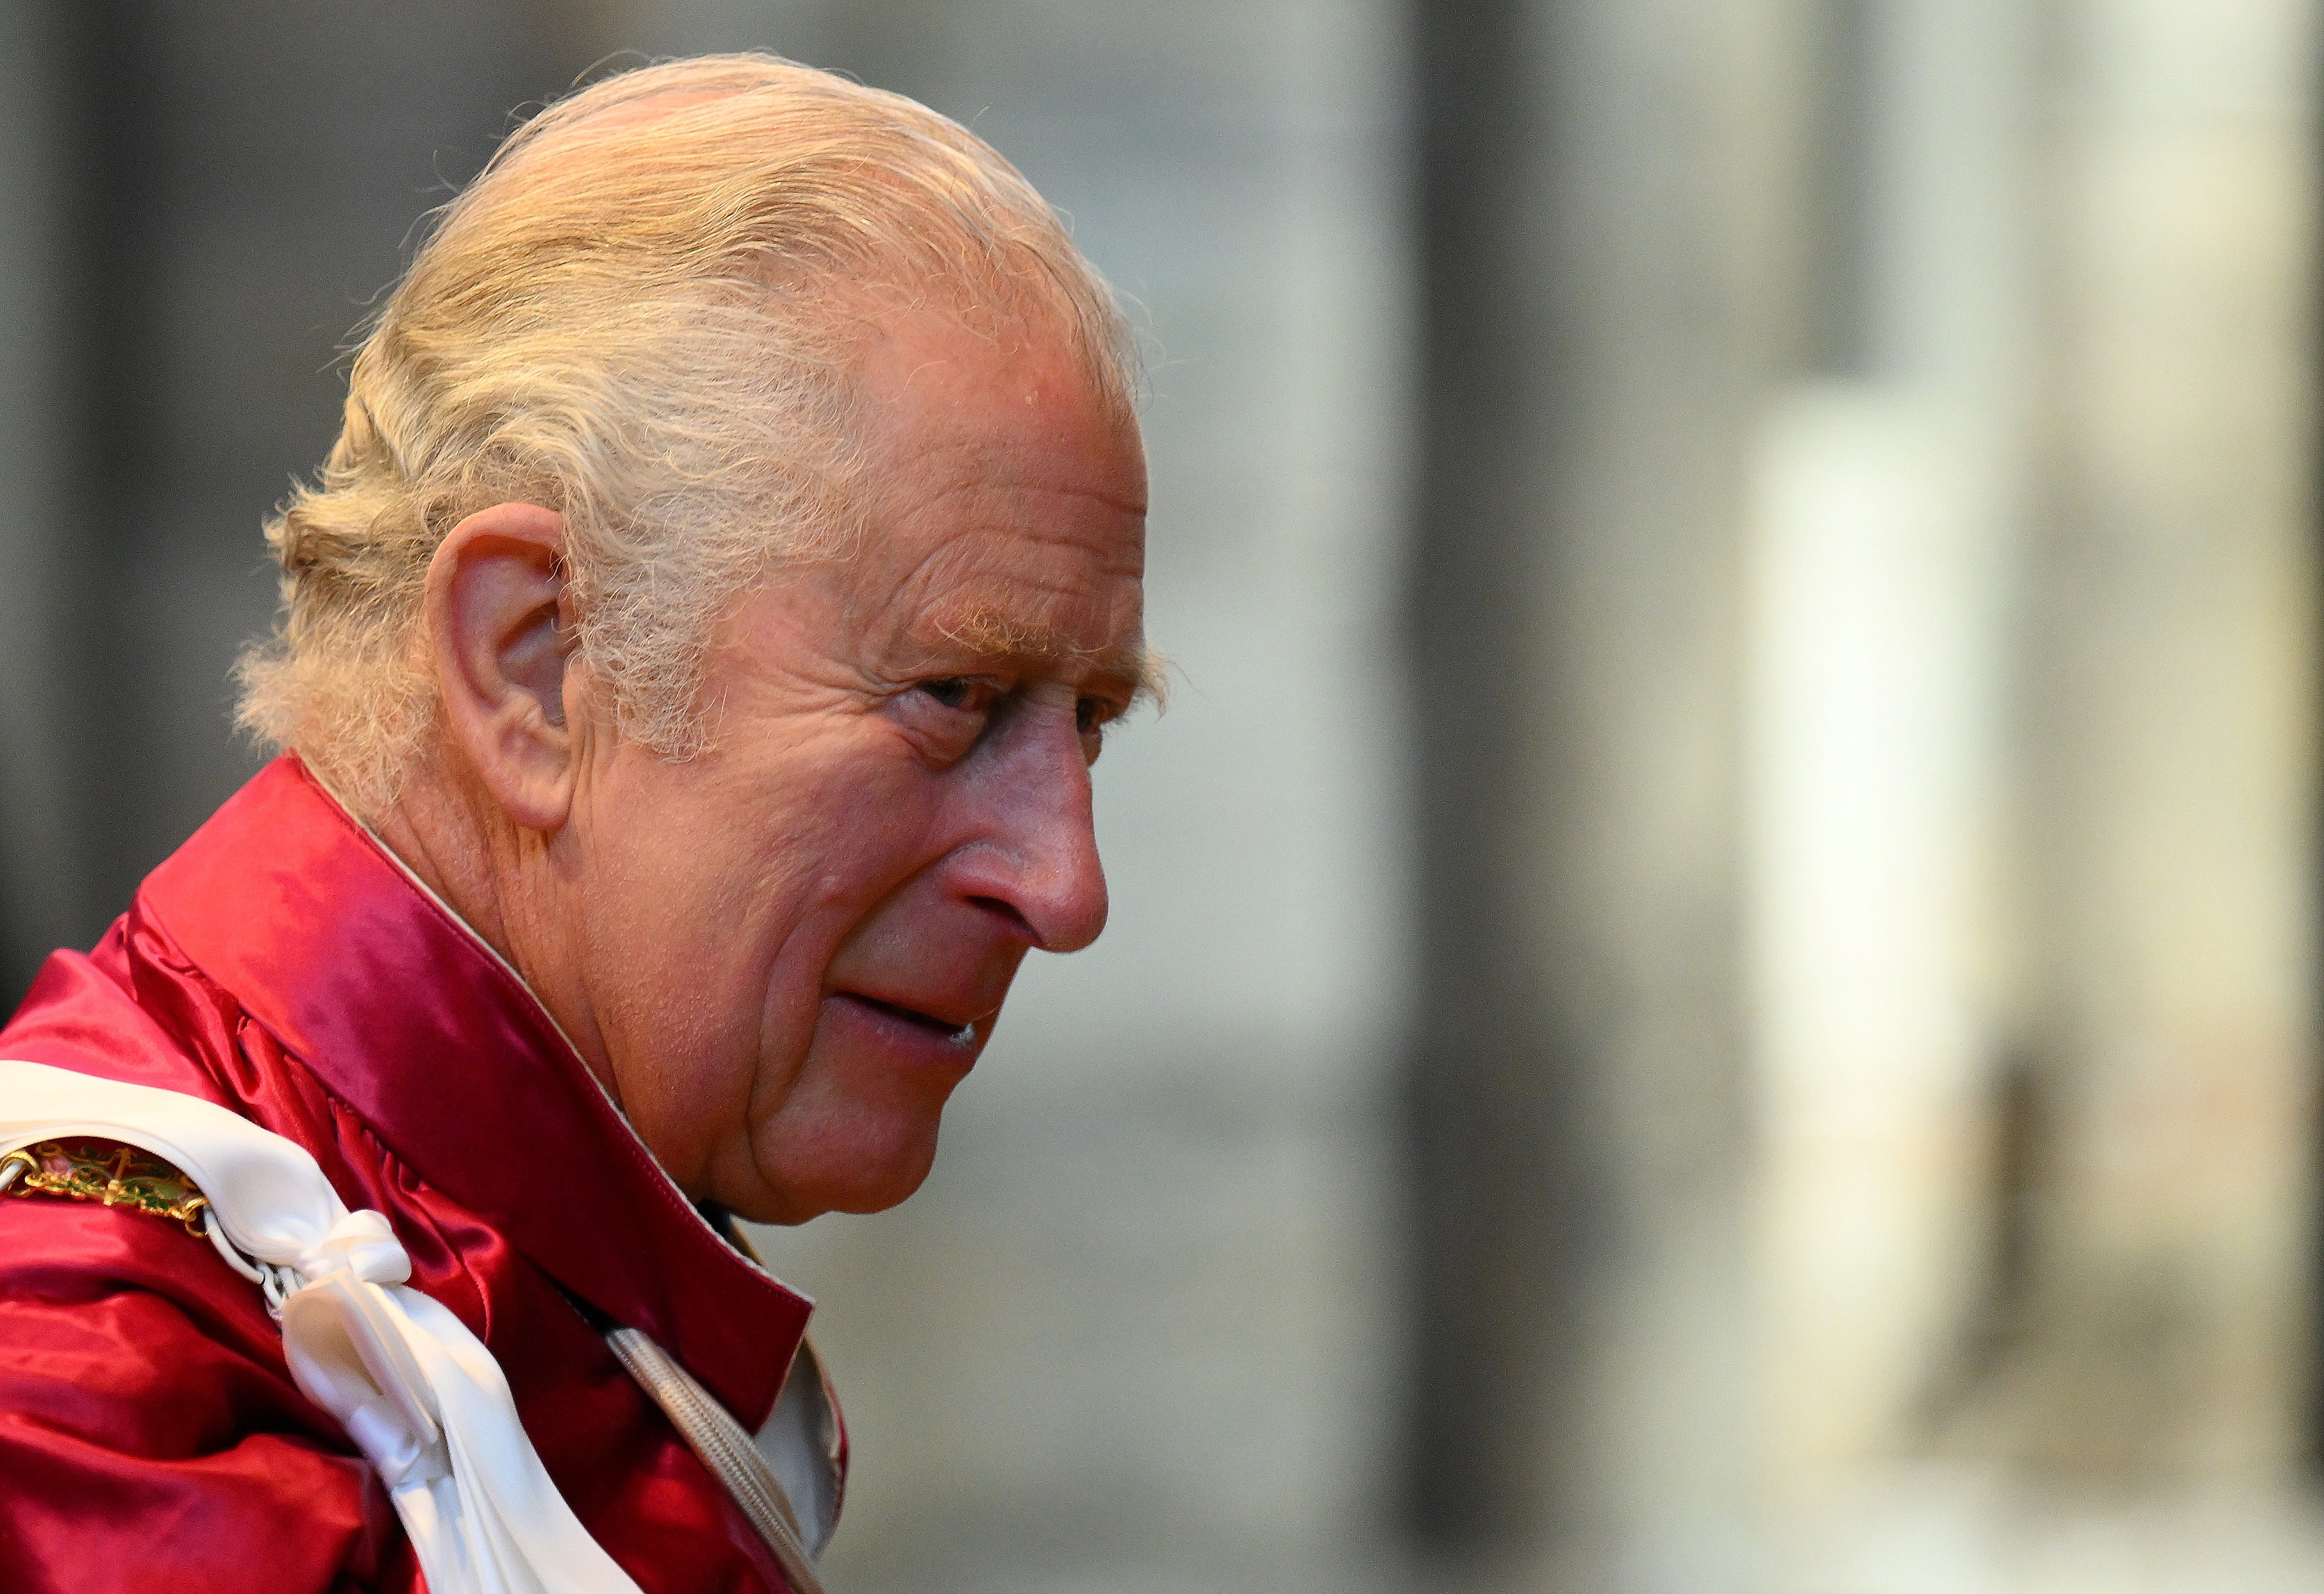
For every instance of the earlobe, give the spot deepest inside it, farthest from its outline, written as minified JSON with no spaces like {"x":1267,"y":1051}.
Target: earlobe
{"x":500,"y":632}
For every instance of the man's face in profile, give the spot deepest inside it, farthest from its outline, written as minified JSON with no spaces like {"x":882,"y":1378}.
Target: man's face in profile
{"x":797,"y":943}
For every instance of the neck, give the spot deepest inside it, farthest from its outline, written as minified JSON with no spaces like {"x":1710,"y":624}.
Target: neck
{"x":457,"y":845}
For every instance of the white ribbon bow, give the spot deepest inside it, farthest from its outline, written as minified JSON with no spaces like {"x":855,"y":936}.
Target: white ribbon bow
{"x":419,"y":1394}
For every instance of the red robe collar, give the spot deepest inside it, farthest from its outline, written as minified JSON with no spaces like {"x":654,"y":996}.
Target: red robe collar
{"x":406,"y":1016}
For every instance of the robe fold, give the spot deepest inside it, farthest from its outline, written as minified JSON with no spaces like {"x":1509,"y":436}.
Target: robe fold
{"x":281,"y":965}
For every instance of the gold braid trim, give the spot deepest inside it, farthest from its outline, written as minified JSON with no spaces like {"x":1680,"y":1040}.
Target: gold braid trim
{"x":99,"y":1170}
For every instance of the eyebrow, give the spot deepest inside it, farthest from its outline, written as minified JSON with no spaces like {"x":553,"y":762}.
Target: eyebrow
{"x":1000,"y":637}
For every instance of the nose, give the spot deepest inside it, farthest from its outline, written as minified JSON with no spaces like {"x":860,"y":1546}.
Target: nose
{"x":1035,"y":859}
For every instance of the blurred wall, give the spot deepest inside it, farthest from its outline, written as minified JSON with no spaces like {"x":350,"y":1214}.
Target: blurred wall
{"x":1601,"y":185}
{"x":211,"y":196}
{"x":1863,"y":1097}
{"x":38,"y":882}
{"x":2169,"y":773}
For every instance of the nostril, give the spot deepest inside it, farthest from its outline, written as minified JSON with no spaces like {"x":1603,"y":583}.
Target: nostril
{"x":1007,"y":911}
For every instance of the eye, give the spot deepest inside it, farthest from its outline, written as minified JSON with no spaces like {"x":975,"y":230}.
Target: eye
{"x":965,"y":693}
{"x":1091,"y":717}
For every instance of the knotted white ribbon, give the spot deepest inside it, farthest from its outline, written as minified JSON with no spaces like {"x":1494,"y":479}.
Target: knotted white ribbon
{"x":419,"y":1394}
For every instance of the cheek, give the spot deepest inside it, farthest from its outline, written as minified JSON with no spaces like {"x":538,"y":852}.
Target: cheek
{"x":719,"y":890}
{"x":679,"y":958}
{"x":687,"y":905}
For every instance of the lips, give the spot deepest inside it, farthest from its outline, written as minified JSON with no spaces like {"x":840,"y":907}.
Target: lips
{"x":959,"y":1035}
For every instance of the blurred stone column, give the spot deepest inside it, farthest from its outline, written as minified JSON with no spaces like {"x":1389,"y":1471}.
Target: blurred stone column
{"x":235,"y":184}
{"x":39,"y":885}
{"x":1600,"y":185}
{"x":2169,"y":754}
{"x":1892,"y":497}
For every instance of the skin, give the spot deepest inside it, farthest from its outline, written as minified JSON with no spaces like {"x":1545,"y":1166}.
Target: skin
{"x":780,"y":955}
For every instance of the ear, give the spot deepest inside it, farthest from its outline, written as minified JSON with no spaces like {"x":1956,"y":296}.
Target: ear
{"x":500,"y":626}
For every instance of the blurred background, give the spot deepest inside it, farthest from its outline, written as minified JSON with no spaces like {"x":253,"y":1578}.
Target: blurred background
{"x":1713,"y":972}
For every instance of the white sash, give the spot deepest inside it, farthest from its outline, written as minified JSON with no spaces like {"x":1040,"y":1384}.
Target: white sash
{"x":420,"y":1396}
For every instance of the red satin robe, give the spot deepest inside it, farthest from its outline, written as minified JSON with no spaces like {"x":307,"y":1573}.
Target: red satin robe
{"x":151,"y":1437}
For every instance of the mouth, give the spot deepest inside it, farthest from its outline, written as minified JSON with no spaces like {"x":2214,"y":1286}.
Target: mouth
{"x":958,"y":1034}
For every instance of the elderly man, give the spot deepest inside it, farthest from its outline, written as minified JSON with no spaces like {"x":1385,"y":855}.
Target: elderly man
{"x":694,"y":648}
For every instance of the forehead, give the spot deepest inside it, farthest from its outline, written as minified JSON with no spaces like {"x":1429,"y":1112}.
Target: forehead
{"x":1010,"y":383}
{"x":1005,"y":498}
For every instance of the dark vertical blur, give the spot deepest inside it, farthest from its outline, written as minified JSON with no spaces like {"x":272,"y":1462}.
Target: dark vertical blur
{"x":37,"y":879}
{"x":1494,"y":1207}
{"x":235,"y":184}
{"x":1604,"y":305}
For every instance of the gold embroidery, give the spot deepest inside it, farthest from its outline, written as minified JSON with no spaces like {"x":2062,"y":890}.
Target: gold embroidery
{"x":96,"y":1170}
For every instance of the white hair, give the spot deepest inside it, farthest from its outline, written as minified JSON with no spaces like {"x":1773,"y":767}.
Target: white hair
{"x":641,"y":315}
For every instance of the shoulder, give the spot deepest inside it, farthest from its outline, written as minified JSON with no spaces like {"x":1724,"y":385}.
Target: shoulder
{"x":125,"y":1308}
{"x":118,"y":1013}
{"x":109,"y":1280}
{"x":143,"y":1396}
{"x":144,"y":1400}
{"x":135,"y":1009}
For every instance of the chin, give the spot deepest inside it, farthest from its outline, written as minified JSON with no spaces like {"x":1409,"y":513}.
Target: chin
{"x":857,"y":1167}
